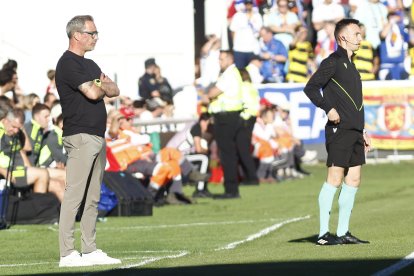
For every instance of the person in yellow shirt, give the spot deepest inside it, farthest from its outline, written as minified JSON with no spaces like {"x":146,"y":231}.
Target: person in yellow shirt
{"x":366,"y":59}
{"x":301,"y":57}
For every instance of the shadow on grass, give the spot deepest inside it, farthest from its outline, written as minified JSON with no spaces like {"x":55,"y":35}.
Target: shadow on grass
{"x":315,"y":267}
{"x":310,"y":239}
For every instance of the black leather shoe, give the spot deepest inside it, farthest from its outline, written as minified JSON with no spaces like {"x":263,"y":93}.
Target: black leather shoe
{"x":350,"y":239}
{"x":227,"y":196}
{"x":327,"y":239}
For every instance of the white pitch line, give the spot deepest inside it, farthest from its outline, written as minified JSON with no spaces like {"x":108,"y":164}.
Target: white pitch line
{"x":145,"y":251}
{"x":187,"y":224}
{"x":406,"y":261}
{"x":29,"y":264}
{"x":261,"y":233}
{"x":183,"y":225}
{"x":146,"y":259}
{"x":155,"y":259}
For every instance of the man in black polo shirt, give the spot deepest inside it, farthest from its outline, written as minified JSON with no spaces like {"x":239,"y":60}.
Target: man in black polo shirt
{"x":82,"y":86}
{"x":147,"y":84}
{"x":346,"y":140}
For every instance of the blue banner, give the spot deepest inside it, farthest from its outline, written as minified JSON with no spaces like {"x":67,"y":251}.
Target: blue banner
{"x":308,"y":122}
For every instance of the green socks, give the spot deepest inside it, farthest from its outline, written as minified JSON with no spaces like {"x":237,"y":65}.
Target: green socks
{"x":346,"y":203}
{"x":325,"y":199}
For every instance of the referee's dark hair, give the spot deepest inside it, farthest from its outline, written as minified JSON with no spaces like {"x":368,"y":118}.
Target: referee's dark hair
{"x":341,"y":24}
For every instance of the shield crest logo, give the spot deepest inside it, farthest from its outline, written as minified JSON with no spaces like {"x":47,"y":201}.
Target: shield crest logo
{"x":395,"y":116}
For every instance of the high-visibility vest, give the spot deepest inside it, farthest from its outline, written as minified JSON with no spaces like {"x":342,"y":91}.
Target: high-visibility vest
{"x":251,"y":100}
{"x":6,"y":148}
{"x":364,"y":60}
{"x":225,"y":102}
{"x":45,"y":156}
{"x":35,"y":131}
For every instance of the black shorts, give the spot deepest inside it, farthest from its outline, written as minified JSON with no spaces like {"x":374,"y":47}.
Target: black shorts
{"x":345,"y":147}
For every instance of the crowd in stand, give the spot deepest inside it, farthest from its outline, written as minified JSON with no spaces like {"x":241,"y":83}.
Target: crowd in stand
{"x":286,"y":39}
{"x":271,"y":41}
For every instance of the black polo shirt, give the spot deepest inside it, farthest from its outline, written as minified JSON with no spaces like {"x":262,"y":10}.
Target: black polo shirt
{"x":146,"y":85}
{"x":342,"y":89}
{"x":80,"y":114}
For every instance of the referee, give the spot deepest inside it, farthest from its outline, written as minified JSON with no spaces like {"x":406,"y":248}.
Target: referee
{"x":226,"y":104}
{"x":346,"y":139}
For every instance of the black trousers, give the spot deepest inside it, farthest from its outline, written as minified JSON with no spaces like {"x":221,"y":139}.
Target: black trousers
{"x":233,"y":142}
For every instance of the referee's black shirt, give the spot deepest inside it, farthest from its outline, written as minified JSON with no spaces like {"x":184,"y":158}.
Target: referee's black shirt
{"x":342,"y":89}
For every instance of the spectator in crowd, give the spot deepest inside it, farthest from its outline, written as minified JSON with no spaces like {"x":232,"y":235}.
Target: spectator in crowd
{"x":327,"y":12}
{"x":265,"y":104}
{"x":168,"y":114}
{"x":231,"y":136}
{"x":392,"y":49}
{"x":411,"y":48}
{"x":290,"y":144}
{"x":138,"y":106}
{"x":303,"y":9}
{"x":193,"y":142}
{"x":23,"y":174}
{"x":8,"y":83}
{"x":373,"y":15}
{"x":209,"y":61}
{"x":133,"y":152}
{"x":163,"y":86}
{"x":154,"y":109}
{"x":5,"y":106}
{"x":274,"y":55}
{"x":282,"y":22}
{"x":326,"y":44}
{"x":51,"y":87}
{"x":412,"y":14}
{"x":240,"y":5}
{"x":254,"y":68}
{"x":245,"y":26}
{"x":16,"y":92}
{"x":26,"y":103}
{"x":147,"y":84}
{"x":49,"y":99}
{"x":53,"y":153}
{"x":266,"y":149}
{"x":125,"y":104}
{"x":36,"y":130}
{"x":366,"y":59}
{"x":395,"y":6}
{"x":301,"y":63}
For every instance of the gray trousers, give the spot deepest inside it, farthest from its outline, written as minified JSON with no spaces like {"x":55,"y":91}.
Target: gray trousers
{"x":84,"y":172}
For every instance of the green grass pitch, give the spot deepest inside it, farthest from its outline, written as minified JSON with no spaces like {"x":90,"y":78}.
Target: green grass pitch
{"x":269,"y":231}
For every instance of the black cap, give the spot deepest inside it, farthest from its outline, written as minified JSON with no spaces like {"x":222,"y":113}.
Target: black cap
{"x":149,"y":62}
{"x":248,"y":1}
